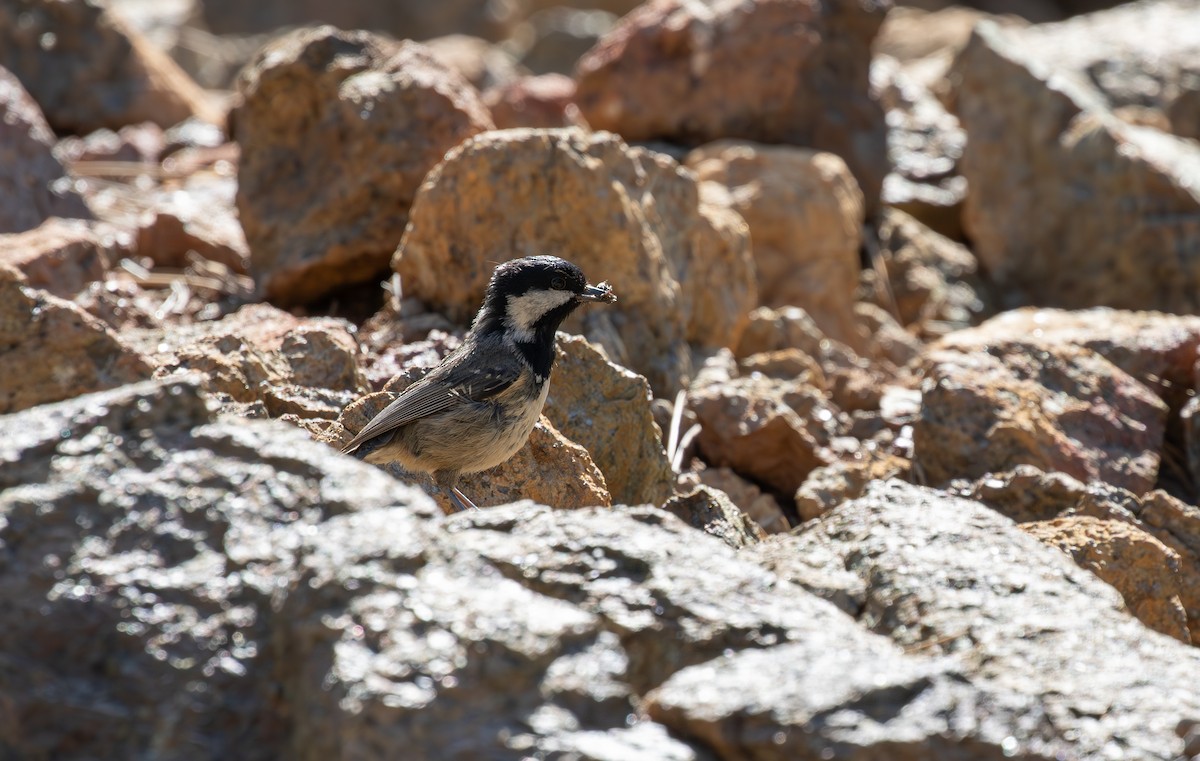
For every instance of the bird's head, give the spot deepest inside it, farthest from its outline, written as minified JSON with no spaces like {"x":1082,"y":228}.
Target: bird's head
{"x":528,"y":298}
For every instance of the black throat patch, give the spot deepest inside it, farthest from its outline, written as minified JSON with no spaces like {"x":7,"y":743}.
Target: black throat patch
{"x":539,"y":352}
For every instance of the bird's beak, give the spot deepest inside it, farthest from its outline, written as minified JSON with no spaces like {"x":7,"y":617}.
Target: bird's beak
{"x":602,"y":292}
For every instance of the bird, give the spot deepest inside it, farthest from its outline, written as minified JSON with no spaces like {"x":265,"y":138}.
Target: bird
{"x":477,"y":407}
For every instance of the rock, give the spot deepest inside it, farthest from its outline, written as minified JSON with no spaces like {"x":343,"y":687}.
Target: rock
{"x":1048,"y":648}
{"x":771,"y":431}
{"x":479,"y":62}
{"x":805,"y":214}
{"x":88,"y":69}
{"x":681,"y":270}
{"x":544,"y":101}
{"x":62,"y":256}
{"x":296,"y":365}
{"x":1189,"y":418}
{"x":1177,"y":525}
{"x":932,"y":283}
{"x":1159,"y":350}
{"x":888,"y":343}
{"x":145,"y":542}
{"x":549,"y":469}
{"x":337,"y":130}
{"x":1057,"y":407}
{"x":711,"y":511}
{"x":853,"y":383}
{"x":1139,"y":566}
{"x":559,"y":36}
{"x":34,"y":184}
{"x":50,"y":349}
{"x":407,"y":19}
{"x":843,"y":480}
{"x":780,"y":71}
{"x":1037,"y":107}
{"x":195,"y":218}
{"x":606,"y":409}
{"x":1026,"y":494}
{"x":751,"y":500}
{"x":925,"y":143}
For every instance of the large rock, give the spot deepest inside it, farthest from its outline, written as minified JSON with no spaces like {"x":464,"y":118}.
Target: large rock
{"x":1048,"y":648}
{"x":62,"y":256}
{"x":50,"y":349}
{"x":681,"y":269}
{"x":1069,"y":205}
{"x":337,"y":131}
{"x":1057,"y":407}
{"x":805,"y":214}
{"x":1141,"y":568}
{"x":1177,"y":525}
{"x":144,"y":542}
{"x":260,"y":355}
{"x":606,"y":409}
{"x":778,"y":71}
{"x":88,"y":69}
{"x":33,"y":184}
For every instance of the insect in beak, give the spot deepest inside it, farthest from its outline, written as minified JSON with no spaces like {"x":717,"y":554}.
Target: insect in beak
{"x":602,"y":292}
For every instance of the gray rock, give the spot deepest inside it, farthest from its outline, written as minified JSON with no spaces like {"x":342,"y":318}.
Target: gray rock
{"x":1039,"y":639}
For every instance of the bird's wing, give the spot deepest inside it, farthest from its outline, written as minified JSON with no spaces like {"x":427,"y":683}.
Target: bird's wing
{"x":443,"y":388}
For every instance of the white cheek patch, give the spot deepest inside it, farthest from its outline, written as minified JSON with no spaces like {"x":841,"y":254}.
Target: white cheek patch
{"x":525,"y":310}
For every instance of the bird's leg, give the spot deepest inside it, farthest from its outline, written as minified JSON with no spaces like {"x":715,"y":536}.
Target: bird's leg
{"x":448,"y":480}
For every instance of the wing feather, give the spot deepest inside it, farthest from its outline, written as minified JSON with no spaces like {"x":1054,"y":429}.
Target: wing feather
{"x":436,"y":392}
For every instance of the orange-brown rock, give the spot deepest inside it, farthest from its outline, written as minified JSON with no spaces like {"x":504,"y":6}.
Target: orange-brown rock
{"x":52,"y":350}
{"x":480,"y":62}
{"x":805,"y":213}
{"x":828,"y":486}
{"x":88,"y":69}
{"x":749,"y":498}
{"x":337,"y":130}
{"x":681,"y":269}
{"x":62,"y":256}
{"x":713,"y":512}
{"x":773,"y":71}
{"x":547,"y":100}
{"x":1141,"y":568}
{"x":33,"y":183}
{"x":1177,"y":525}
{"x":1058,"y":407}
{"x":1069,"y":205}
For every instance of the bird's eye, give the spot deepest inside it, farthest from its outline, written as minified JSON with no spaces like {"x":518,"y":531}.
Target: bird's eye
{"x":558,"y":284}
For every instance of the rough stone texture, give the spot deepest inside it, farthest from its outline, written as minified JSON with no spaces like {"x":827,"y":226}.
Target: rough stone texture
{"x":144,"y":543}
{"x":774,"y":71}
{"x":412,"y":19}
{"x":1177,"y":525}
{"x":1048,"y":648}
{"x":1026,"y":494}
{"x":304,"y":366}
{"x":62,"y":256}
{"x":681,"y":269}
{"x":925,"y":143}
{"x":931,"y":283}
{"x":87,"y":69}
{"x":805,"y":214}
{"x":768,"y":430}
{"x":1058,"y":407}
{"x":337,"y":131}
{"x":853,"y":382}
{"x":830,"y":485}
{"x":1069,"y":206}
{"x":50,"y":349}
{"x":606,"y":409}
{"x":1139,"y":566}
{"x":749,"y":498}
{"x":33,"y":183}
{"x":550,"y":469}
{"x":711,"y":511}
{"x":542,"y":101}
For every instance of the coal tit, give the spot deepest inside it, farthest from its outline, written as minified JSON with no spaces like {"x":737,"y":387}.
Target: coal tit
{"x":477,"y":408}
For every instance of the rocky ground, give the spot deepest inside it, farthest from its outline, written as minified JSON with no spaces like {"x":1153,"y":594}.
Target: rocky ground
{"x":890,"y":448}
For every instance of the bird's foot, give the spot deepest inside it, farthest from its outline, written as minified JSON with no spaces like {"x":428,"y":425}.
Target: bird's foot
{"x":460,"y":501}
